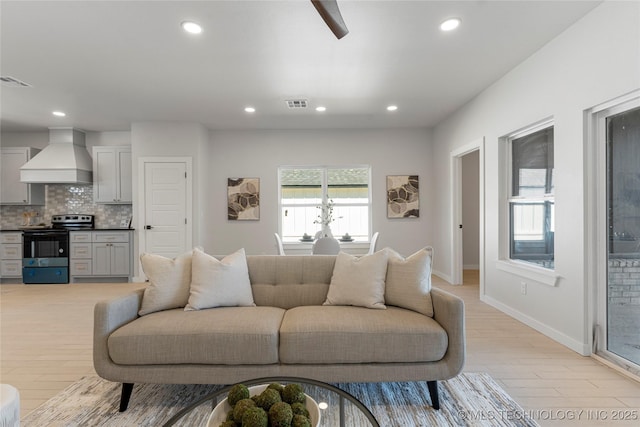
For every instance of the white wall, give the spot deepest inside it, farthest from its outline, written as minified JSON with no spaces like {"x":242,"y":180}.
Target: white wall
{"x":172,"y":139}
{"x":24,"y":139}
{"x":107,"y":138}
{"x":258,"y":154}
{"x":595,"y":60}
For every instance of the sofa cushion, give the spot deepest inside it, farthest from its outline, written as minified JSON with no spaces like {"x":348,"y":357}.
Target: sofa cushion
{"x":290,"y":281}
{"x":216,"y":283}
{"x":169,"y":282}
{"x":358,"y":281}
{"x":408,"y":283}
{"x":343,"y":334}
{"x":225,"y":335}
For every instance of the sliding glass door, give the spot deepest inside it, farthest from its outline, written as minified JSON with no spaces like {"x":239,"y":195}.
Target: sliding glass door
{"x":621,"y":128}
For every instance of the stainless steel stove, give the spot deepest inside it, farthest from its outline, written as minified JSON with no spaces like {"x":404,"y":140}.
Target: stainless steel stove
{"x":46,"y":251}
{"x":72,"y":221}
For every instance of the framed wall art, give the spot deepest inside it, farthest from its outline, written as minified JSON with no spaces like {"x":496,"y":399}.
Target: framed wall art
{"x":403,"y":196}
{"x":243,"y":199}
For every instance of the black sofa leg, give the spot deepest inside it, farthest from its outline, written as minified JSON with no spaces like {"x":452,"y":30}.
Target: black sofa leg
{"x":433,"y":393}
{"x":127,"y":388}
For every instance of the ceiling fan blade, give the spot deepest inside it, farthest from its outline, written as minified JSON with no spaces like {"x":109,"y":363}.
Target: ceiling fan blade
{"x":330,"y":13}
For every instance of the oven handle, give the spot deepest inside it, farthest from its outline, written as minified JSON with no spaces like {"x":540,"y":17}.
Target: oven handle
{"x":47,"y":233}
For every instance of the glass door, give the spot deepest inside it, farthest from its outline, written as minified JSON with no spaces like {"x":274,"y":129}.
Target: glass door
{"x":622,"y":132}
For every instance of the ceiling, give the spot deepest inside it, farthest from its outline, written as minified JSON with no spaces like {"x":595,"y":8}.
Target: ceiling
{"x":108,"y":64}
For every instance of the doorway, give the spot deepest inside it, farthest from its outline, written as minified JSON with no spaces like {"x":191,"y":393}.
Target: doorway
{"x":468,"y":213}
{"x":617,"y":138}
{"x":166,"y":213}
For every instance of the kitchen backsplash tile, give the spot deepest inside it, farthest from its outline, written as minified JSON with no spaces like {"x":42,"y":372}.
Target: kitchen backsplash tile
{"x":66,"y":199}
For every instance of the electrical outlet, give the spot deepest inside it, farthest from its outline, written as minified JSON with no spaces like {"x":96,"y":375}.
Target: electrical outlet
{"x":523,"y":288}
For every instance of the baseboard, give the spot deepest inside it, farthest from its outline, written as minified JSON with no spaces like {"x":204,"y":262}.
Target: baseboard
{"x":581,"y":348}
{"x":471,"y":267}
{"x":443,"y":276}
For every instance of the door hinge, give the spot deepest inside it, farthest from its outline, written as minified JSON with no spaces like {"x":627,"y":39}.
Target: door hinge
{"x":185,"y":220}
{"x":185,"y":174}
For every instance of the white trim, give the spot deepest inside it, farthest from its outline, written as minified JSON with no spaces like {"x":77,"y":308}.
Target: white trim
{"x":443,"y":276}
{"x":505,"y":200}
{"x":596,"y":236}
{"x":581,"y":348}
{"x":471,"y":267}
{"x":528,"y":271}
{"x":142,"y":208}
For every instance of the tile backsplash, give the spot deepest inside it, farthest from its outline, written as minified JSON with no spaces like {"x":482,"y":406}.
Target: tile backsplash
{"x":66,"y":199}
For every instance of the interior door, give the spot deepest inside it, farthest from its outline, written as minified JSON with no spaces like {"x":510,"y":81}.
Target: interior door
{"x":165,"y":212}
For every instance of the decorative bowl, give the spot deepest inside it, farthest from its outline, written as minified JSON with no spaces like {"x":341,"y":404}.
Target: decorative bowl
{"x":219,"y":414}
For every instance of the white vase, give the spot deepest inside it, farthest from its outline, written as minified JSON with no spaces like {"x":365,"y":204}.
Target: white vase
{"x":326,"y":231}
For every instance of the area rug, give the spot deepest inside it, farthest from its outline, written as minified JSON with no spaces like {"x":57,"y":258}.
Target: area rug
{"x":470,"y":399}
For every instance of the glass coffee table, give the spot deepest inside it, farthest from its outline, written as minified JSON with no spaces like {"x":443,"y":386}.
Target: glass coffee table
{"x":337,"y":407}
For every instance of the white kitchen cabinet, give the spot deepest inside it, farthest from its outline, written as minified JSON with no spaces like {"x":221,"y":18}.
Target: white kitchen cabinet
{"x":112,"y":174}
{"x":11,"y":255}
{"x":80,"y":253}
{"x":100,"y":254}
{"x":12,"y":191}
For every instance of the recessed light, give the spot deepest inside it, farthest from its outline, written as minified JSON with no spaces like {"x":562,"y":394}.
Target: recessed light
{"x":450,"y":24}
{"x":249,"y":110}
{"x":191,"y":27}
{"x":392,"y":108}
{"x":321,"y":109}
{"x":59,"y":113}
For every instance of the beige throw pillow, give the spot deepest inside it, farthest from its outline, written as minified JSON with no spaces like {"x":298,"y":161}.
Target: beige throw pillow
{"x":169,"y":282}
{"x":358,"y":281}
{"x":217,"y":283}
{"x":408,"y":283}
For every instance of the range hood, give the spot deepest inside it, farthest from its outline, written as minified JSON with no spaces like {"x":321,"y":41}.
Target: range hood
{"x":64,"y":161}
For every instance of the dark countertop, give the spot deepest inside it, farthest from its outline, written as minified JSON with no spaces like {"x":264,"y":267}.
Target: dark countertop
{"x":83,"y":229}
{"x":105,"y":229}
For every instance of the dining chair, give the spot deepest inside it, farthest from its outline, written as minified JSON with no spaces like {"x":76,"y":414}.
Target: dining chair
{"x":326,"y":246}
{"x":374,"y":240}
{"x":279,"y":244}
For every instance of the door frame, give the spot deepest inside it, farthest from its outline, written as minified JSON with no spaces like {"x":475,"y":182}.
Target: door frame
{"x":456,"y":209}
{"x":596,"y":238}
{"x":142,"y":161}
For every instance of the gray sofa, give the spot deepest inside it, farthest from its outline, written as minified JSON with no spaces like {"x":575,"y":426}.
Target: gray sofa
{"x":288,"y":333}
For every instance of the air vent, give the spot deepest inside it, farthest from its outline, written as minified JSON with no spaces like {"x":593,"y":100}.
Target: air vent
{"x":296,"y":103}
{"x":13,"y":82}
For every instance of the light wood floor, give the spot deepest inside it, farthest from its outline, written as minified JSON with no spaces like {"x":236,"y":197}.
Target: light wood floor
{"x":46,"y":345}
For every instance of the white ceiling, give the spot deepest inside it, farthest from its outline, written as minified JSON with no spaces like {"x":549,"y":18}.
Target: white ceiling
{"x":108,"y":64}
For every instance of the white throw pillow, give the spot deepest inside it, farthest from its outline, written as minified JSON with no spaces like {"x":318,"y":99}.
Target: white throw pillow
{"x":217,"y":283}
{"x":169,"y":282}
{"x":358,"y":281}
{"x":408,"y":282}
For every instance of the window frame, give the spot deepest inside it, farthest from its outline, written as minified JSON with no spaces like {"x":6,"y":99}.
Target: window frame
{"x":324,"y":193}
{"x":517,"y":266}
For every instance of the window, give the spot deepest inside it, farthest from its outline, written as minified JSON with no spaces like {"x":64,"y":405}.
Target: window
{"x":531,"y":196}
{"x":304,"y":189}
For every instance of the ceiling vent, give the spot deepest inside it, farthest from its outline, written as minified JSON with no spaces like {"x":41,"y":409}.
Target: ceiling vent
{"x":13,"y":82}
{"x":296,"y":103}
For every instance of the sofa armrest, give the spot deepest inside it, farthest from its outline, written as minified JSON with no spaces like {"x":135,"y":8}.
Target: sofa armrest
{"x":448,"y":311}
{"x":108,"y":316}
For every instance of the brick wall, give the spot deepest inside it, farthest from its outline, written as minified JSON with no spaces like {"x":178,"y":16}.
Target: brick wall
{"x":624,"y":281}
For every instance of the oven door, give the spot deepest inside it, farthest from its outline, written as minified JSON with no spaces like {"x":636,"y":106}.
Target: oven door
{"x":46,"y":244}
